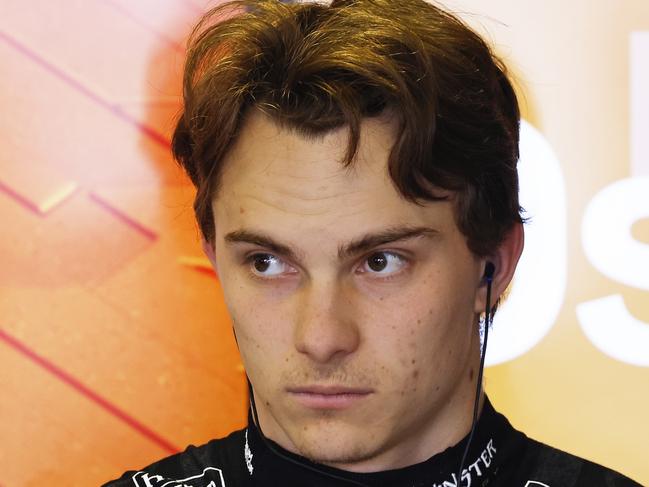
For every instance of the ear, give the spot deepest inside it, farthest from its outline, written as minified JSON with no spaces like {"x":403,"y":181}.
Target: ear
{"x":208,"y":249}
{"x":505,"y":259}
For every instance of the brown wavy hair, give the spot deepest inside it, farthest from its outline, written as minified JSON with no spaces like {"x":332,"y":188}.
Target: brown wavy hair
{"x":313,"y":68}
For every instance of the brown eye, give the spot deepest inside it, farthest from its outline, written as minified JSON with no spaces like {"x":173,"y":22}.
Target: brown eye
{"x":377,"y":262}
{"x":383,"y":264}
{"x":268,"y":265}
{"x":262,"y":262}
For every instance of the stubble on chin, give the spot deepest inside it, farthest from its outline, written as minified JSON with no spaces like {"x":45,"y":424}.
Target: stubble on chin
{"x":336,"y":438}
{"x":337,"y":449}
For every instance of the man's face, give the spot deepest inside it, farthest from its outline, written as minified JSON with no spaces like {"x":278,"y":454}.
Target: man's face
{"x":353,"y":308}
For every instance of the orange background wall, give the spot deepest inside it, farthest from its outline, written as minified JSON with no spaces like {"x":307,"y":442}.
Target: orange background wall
{"x":115,"y":347}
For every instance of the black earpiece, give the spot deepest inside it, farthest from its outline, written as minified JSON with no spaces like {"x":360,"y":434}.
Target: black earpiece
{"x":489,"y":271}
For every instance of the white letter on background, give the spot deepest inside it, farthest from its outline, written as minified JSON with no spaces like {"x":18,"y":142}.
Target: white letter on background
{"x":606,"y":233}
{"x":529,"y":312}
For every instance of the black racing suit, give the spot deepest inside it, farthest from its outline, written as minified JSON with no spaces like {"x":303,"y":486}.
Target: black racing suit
{"x":499,"y":456}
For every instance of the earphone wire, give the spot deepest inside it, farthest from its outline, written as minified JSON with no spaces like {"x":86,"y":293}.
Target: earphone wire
{"x":476,"y":404}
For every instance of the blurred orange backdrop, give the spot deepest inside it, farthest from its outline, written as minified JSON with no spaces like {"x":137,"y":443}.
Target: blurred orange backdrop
{"x":115,"y":345}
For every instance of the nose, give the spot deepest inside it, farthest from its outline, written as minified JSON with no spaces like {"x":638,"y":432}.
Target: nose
{"x":326,"y":330}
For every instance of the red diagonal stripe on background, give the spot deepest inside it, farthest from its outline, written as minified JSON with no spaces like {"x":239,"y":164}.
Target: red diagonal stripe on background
{"x":87,"y":392}
{"x":125,"y":218}
{"x":113,"y":108}
{"x":19,"y":199}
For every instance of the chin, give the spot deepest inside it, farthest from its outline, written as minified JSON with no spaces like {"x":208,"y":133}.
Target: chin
{"x":336,"y":445}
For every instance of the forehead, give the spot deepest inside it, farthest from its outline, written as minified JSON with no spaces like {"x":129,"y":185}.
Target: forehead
{"x":265,"y":152}
{"x":276,"y":179}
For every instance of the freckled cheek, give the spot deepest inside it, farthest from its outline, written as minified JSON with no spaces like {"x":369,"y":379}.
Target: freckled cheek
{"x":263,"y":335}
{"x":403,"y":351}
{"x":422,"y":372}
{"x":421,"y":350}
{"x":263,"y":331}
{"x":410,"y":375}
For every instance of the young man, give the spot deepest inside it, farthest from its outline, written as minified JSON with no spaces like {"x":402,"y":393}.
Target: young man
{"x":358,"y":196}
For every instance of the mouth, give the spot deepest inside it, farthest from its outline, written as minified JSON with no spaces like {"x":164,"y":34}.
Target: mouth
{"x":328,"y":397}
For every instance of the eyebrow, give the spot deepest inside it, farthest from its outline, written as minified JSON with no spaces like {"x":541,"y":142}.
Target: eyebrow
{"x":355,"y":247}
{"x":390,"y":235}
{"x":263,"y":240}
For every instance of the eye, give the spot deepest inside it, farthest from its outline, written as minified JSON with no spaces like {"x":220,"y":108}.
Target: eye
{"x":268,"y":265}
{"x":383,"y":264}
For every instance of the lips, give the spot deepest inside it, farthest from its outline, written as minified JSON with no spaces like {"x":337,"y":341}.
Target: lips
{"x":328,"y":397}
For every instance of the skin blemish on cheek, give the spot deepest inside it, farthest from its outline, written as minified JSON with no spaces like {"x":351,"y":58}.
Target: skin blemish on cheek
{"x":471,"y":374}
{"x":415,"y":374}
{"x":241,"y":210}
